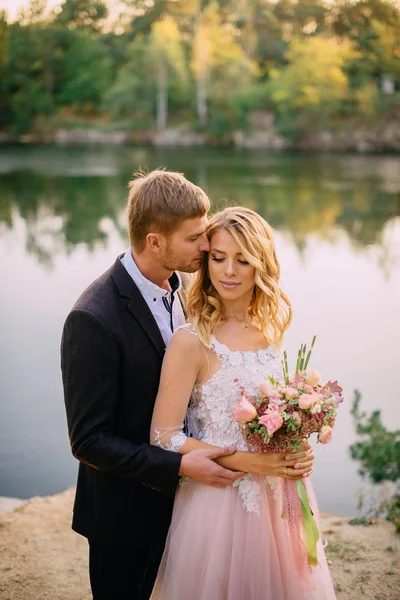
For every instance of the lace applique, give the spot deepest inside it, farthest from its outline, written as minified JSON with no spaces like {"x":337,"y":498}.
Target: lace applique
{"x":175,"y":443}
{"x":275,"y":485}
{"x":211,"y":407}
{"x":250,"y":493}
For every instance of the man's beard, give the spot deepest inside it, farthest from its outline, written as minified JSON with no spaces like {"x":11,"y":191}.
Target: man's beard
{"x":171,"y":262}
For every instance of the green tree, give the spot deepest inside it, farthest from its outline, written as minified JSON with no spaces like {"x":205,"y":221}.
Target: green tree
{"x":155,"y":62}
{"x":360,"y":21}
{"x":5,"y":105}
{"x":378,"y":452}
{"x":166,"y":57}
{"x":314,"y":82}
{"x":86,"y":72}
{"x":87,"y":15}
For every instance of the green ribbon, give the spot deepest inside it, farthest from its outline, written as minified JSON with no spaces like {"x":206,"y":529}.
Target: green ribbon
{"x":311,"y":532}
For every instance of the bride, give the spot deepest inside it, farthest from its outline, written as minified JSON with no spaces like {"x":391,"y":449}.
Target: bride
{"x":231,"y":543}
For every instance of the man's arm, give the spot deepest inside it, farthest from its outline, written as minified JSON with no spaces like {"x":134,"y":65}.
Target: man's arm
{"x":90,"y":369}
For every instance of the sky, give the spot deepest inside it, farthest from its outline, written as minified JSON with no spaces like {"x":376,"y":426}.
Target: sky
{"x":13,"y":6}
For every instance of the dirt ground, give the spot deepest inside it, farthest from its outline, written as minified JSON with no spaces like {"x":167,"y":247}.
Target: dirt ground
{"x":41,"y":557}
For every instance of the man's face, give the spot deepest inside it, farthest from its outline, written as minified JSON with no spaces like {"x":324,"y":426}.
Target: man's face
{"x":184,"y":249}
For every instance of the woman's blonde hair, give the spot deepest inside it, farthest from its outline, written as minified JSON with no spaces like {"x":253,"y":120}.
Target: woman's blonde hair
{"x":269,"y":304}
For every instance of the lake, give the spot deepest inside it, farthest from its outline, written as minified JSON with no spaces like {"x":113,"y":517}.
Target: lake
{"x":62,"y":223}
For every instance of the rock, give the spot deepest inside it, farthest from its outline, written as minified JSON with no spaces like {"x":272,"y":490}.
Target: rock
{"x":260,"y":139}
{"x":9,"y":504}
{"x":177,"y":137}
{"x":90,"y":136}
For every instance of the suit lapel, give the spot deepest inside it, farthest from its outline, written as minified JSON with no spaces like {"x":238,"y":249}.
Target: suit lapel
{"x":137,"y":305}
{"x":140,"y":311}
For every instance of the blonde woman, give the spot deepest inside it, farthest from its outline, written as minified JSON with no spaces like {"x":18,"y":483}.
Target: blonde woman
{"x":230,"y":543}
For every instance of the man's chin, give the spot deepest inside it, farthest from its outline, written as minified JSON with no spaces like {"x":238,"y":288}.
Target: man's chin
{"x":190,"y":268}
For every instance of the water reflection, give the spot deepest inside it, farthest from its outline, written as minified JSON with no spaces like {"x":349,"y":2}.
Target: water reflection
{"x":62,"y":223}
{"x":71,"y":197}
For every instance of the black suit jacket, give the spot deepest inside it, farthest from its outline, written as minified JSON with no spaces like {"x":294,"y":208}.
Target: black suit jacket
{"x":111,"y":356}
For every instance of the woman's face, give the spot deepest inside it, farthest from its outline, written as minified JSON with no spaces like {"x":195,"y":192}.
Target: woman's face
{"x":231,"y":275}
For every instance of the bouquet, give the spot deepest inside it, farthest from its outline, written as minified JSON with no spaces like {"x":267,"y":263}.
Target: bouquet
{"x":277,"y":420}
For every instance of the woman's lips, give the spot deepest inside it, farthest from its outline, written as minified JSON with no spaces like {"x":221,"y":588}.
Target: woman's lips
{"x":229,"y":285}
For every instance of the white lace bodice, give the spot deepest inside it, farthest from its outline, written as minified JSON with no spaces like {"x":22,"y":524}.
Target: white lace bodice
{"x":210,"y":411}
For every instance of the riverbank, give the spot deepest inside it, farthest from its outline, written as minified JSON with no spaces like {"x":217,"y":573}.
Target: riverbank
{"x":40,"y":556}
{"x":261,"y":132}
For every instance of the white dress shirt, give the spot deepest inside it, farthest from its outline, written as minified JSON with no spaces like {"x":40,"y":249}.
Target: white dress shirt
{"x":158,"y":299}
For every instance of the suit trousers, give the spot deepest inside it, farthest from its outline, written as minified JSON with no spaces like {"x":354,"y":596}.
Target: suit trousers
{"x":123,"y":572}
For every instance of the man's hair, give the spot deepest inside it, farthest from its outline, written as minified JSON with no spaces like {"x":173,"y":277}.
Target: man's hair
{"x":160,"y":201}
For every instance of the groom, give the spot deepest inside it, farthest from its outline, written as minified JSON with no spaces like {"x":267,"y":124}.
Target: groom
{"x":112,"y":349}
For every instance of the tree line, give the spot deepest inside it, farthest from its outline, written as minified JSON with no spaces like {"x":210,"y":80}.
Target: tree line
{"x":200,"y":64}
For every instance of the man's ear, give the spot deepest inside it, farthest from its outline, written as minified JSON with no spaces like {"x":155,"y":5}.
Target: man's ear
{"x":153,"y":241}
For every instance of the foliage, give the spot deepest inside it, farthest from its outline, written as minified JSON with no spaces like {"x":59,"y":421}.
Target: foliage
{"x":378,"y":453}
{"x":314,"y":79}
{"x":206,"y":63}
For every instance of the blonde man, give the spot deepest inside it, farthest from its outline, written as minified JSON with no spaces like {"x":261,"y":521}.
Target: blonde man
{"x":113,"y":345}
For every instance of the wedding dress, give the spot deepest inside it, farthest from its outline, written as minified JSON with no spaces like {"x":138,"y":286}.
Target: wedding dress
{"x":231,"y":543}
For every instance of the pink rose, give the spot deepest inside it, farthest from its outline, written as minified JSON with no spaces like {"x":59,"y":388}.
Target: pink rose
{"x":309,"y":388}
{"x":313,"y":377}
{"x":272,"y":422}
{"x":306,"y":401}
{"x":290,"y":392}
{"x":267,"y":389}
{"x":244,"y":411}
{"x":325,"y":434}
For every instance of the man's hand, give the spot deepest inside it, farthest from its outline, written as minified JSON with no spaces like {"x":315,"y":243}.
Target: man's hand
{"x":199,"y":465}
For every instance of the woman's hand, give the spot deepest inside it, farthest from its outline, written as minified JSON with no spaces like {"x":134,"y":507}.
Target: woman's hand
{"x":289,"y":465}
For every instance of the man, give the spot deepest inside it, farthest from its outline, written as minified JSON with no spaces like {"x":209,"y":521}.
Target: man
{"x":113,"y":345}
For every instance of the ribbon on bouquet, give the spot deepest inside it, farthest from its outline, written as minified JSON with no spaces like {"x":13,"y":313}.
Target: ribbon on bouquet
{"x":302,"y":527}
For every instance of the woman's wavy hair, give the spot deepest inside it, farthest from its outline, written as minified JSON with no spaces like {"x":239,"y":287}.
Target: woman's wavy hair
{"x":269,"y":303}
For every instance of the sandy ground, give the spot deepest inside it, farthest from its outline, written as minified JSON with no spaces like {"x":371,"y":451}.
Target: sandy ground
{"x":41,"y":557}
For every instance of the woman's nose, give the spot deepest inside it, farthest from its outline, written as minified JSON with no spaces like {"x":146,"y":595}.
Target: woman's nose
{"x":230,"y":267}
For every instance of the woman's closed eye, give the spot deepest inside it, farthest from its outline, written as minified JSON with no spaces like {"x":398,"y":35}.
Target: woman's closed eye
{"x":218,"y":260}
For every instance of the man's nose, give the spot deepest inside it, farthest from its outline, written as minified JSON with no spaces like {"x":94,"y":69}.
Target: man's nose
{"x":204,"y":244}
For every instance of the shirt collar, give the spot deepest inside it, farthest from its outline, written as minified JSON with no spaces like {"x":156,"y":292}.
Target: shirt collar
{"x":147,"y":287}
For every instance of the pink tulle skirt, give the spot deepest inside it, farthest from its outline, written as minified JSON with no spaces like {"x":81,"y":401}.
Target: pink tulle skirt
{"x":217,"y":551}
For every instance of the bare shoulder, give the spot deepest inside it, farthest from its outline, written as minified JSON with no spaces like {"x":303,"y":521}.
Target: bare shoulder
{"x":185,"y":348}
{"x":184,"y":340}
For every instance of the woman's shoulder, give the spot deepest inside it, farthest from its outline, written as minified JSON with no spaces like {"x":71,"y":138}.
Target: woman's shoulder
{"x":185,"y":338}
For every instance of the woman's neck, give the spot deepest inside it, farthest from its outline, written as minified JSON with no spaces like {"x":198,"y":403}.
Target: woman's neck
{"x":236,"y":309}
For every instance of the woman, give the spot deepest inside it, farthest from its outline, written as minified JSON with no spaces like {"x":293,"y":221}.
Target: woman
{"x":231,"y":543}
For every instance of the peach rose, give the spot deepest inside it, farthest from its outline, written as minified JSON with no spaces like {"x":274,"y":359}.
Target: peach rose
{"x":272,"y":422}
{"x":290,"y":392}
{"x":306,"y":401}
{"x":244,"y":411}
{"x":297,"y":417}
{"x":325,"y":434}
{"x":313,"y":377}
{"x":267,"y":389}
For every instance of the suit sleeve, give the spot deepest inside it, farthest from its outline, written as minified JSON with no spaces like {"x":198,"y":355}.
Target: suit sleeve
{"x":90,"y":366}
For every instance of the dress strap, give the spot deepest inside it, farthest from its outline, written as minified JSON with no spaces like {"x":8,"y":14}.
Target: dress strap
{"x":220,"y":349}
{"x":188,"y":326}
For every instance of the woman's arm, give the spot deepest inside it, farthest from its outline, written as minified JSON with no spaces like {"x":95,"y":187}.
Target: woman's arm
{"x":183,"y":362}
{"x":184,"y":359}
